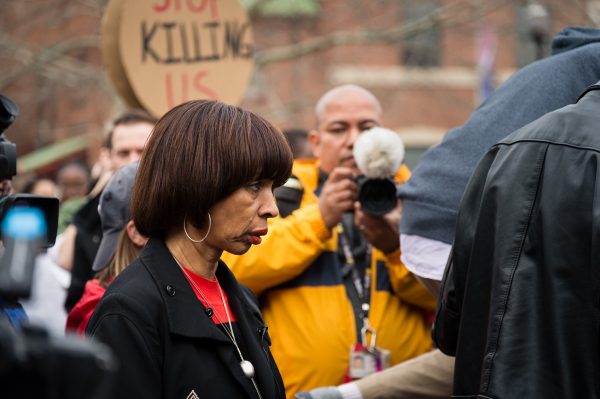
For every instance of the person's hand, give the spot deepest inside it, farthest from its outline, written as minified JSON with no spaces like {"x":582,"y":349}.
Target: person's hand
{"x":381,"y":231}
{"x":66,"y":247}
{"x":393,"y":218}
{"x":338,"y":195}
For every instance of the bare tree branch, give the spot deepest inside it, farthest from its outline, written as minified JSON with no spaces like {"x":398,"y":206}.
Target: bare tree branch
{"x":55,"y":14}
{"x":453,"y":14}
{"x":53,"y":62}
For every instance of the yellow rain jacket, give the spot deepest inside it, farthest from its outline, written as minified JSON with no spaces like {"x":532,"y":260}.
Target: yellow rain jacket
{"x":295,"y":272}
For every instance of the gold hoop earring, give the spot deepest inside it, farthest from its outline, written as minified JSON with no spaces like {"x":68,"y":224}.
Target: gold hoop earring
{"x":203,"y":238}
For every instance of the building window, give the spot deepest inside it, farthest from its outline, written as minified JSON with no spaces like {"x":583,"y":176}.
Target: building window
{"x":423,"y":48}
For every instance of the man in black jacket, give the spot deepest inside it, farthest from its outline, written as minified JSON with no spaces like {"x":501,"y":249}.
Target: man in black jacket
{"x":520,"y":298}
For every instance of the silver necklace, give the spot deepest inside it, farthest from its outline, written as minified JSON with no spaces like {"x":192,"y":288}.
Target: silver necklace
{"x":246,"y":365}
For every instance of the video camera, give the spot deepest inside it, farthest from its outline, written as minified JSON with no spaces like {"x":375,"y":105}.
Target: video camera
{"x":15,"y":280}
{"x":378,"y":153}
{"x":376,"y":196}
{"x":34,"y":364}
{"x":8,"y":169}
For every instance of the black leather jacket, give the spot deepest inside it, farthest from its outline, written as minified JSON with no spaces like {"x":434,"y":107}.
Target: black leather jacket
{"x":520,"y":297}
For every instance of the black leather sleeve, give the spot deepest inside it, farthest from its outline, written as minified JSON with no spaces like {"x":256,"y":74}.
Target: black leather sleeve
{"x":447,"y":318}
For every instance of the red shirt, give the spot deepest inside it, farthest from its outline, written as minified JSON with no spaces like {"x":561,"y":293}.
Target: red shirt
{"x":78,"y":317}
{"x":210,"y":290}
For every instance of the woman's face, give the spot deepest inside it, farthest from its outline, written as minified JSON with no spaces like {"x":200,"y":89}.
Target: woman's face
{"x":240,"y":220}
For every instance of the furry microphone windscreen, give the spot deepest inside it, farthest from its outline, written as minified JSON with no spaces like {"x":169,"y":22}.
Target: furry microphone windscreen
{"x":379,"y":152}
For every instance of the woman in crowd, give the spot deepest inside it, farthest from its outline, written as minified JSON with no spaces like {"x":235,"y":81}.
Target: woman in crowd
{"x":120,"y":245}
{"x":178,"y":320}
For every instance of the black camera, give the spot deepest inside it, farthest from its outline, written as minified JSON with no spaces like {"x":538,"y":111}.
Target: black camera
{"x":35,"y":364}
{"x":16,"y":274}
{"x":378,"y":153}
{"x":376,"y":196}
{"x":8,"y":169}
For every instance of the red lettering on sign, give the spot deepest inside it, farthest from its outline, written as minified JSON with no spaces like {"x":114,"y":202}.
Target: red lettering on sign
{"x":200,"y":88}
{"x":197,"y":6}
{"x":183,"y":87}
{"x":192,"y":6}
{"x":165,"y":5}
{"x":169,"y":91}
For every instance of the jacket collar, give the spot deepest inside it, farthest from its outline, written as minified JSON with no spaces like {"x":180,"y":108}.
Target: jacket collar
{"x":186,"y":314}
{"x":593,"y":87}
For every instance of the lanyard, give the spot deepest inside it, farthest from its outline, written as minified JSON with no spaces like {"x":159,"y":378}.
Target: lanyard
{"x":362,"y":286}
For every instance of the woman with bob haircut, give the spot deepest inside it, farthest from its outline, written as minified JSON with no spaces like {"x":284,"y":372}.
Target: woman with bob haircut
{"x":177,"y":319}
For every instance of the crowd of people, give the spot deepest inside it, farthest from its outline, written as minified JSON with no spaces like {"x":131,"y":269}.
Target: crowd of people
{"x":220,"y":257}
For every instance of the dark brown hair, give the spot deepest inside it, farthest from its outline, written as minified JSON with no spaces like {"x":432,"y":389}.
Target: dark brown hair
{"x":199,"y":153}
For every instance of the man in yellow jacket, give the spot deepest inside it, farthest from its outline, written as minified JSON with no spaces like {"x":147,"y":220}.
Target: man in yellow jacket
{"x":329,"y":276}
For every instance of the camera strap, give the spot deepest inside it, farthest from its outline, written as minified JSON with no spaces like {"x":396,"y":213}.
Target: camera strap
{"x":355,"y":271}
{"x":365,"y":357}
{"x":354,"y":254}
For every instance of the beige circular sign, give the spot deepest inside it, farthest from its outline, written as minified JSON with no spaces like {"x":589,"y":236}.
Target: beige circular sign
{"x":174,"y":51}
{"x":110,"y":53}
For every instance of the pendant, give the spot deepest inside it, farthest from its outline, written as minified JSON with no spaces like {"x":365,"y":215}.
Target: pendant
{"x":247,"y":368}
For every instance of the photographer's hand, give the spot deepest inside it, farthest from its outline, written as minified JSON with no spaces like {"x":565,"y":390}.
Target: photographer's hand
{"x":338,"y":195}
{"x":381,"y":231}
{"x":393,"y":218}
{"x":5,"y":187}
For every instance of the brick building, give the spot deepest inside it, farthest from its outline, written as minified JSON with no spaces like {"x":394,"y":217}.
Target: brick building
{"x":420,"y":57}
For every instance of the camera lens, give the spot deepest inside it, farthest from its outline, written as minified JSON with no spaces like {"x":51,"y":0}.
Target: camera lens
{"x":376,"y":196}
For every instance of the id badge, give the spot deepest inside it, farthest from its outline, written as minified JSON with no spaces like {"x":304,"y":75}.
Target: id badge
{"x":383,"y":358}
{"x":363,"y":362}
